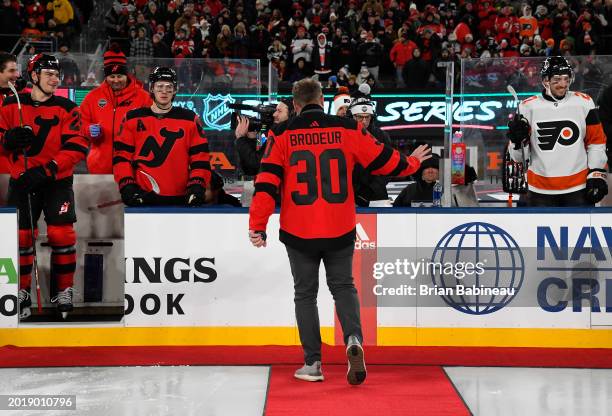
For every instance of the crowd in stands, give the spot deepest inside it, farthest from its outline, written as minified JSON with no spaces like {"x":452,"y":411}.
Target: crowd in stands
{"x":32,"y":20}
{"x":349,"y":42}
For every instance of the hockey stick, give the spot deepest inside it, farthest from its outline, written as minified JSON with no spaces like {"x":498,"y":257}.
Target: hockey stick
{"x":31,"y":216}
{"x":512,"y":91}
{"x":104,"y":205}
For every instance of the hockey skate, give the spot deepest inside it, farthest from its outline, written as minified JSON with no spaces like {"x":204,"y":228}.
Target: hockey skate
{"x":64,"y":301}
{"x":25,"y":303}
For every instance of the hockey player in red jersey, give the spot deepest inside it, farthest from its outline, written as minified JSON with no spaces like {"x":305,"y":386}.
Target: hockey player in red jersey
{"x":104,"y":108}
{"x":161,"y":154}
{"x":309,"y":159}
{"x":566,"y":145}
{"x":8,"y":73}
{"x":48,"y":130}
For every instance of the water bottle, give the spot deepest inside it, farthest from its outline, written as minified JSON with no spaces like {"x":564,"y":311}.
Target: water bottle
{"x":437,"y":194}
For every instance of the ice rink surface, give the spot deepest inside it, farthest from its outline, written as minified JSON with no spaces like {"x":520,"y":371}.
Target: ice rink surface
{"x":242,"y":390}
{"x":144,"y":391}
{"x":503,"y":391}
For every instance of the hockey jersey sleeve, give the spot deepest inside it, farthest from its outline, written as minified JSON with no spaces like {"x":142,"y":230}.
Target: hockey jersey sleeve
{"x":199,"y":156}
{"x":380,"y":159}
{"x":595,"y":139}
{"x":267,"y":183}
{"x":6,"y":123}
{"x":123,"y":154}
{"x":87,"y":116}
{"x":74,"y":146}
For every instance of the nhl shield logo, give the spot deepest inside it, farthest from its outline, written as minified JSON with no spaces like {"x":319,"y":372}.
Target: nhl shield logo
{"x":217,"y":114}
{"x":102,"y":102}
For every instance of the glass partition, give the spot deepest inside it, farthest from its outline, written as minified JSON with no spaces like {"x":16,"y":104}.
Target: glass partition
{"x":484,"y":106}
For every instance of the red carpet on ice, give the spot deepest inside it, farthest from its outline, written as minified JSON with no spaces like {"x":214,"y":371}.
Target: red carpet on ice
{"x":388,"y":390}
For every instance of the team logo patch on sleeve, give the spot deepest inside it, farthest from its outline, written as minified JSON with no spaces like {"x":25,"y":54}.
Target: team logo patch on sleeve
{"x":64,"y":208}
{"x":564,"y":132}
{"x":102,"y":102}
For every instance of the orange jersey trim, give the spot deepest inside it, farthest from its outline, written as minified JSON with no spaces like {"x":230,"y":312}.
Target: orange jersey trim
{"x":557,"y":183}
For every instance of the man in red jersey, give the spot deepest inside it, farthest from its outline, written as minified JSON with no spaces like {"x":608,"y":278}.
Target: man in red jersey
{"x":104,"y":108}
{"x":161,"y":154}
{"x":47,"y":130}
{"x":309,"y":159}
{"x":8,"y":73}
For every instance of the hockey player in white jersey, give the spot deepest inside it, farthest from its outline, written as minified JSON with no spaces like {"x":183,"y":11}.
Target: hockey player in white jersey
{"x":560,"y":132}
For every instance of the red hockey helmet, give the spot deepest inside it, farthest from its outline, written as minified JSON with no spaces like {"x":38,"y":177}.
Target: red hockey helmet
{"x":42,"y":61}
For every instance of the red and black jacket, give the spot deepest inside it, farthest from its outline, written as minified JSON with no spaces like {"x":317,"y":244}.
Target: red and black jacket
{"x":170,"y":147}
{"x":56,"y":124}
{"x":310,"y":160}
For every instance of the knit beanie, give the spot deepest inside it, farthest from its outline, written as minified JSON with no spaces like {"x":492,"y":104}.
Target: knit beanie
{"x":115,"y":61}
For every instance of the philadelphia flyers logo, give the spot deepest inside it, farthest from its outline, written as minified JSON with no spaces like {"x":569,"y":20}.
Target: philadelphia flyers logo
{"x":564,"y":132}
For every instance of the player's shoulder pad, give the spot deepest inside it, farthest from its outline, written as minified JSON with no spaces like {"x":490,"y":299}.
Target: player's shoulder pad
{"x":11,"y":99}
{"x":181,"y":113}
{"x":529,"y":100}
{"x":67,"y":104}
{"x":582,"y":95}
{"x":138,"y":113}
{"x":279,"y":128}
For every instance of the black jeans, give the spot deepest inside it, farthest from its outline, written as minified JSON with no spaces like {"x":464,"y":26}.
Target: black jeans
{"x":338,"y":269}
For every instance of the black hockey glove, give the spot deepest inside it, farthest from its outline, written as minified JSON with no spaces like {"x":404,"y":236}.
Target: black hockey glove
{"x":518,"y":130}
{"x":18,"y":138}
{"x":34,"y":178}
{"x":21,"y":83}
{"x":132,"y":195}
{"x":195,"y":195}
{"x":596,"y":185}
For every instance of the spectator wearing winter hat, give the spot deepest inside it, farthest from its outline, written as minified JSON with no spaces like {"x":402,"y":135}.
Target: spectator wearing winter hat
{"x":367,"y":187}
{"x":322,"y":58}
{"x":341,"y":102}
{"x":301,"y":45}
{"x":422,"y":189}
{"x":400,"y":53}
{"x":371,"y":52}
{"x":105,"y":106}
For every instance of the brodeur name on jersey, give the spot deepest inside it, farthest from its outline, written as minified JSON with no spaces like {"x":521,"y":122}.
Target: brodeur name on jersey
{"x":310,"y":160}
{"x":567,"y":140}
{"x":170,"y":147}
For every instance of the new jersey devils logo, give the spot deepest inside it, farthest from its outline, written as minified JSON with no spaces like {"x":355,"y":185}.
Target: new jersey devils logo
{"x":160,"y":153}
{"x":565,"y":132}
